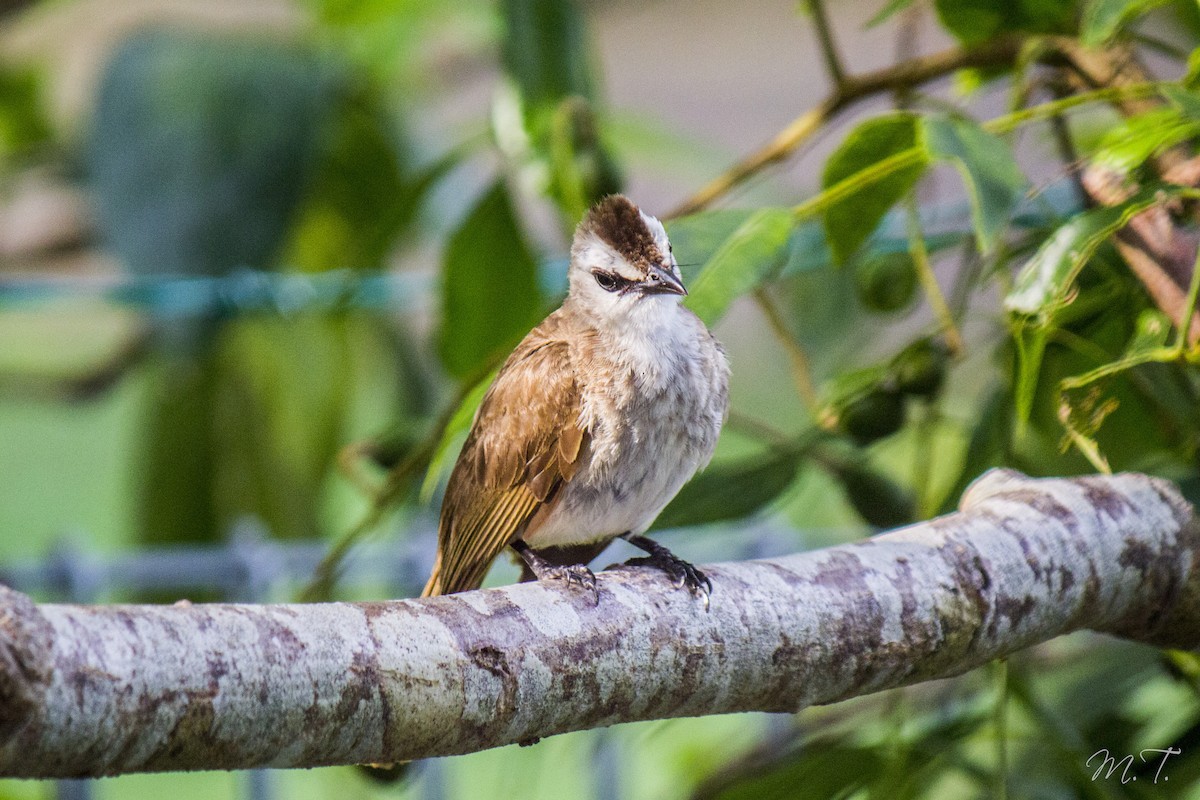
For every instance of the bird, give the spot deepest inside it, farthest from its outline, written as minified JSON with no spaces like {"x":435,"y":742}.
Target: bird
{"x":593,"y":423}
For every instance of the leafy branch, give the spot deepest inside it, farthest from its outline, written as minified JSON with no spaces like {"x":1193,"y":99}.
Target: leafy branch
{"x":851,"y":90}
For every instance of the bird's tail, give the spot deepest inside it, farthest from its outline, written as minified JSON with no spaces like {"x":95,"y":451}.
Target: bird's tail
{"x":434,"y":586}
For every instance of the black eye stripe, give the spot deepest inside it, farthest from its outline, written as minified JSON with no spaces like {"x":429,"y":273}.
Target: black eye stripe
{"x":611,"y":282}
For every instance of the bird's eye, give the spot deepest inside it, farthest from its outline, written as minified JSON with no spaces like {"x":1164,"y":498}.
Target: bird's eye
{"x":607,"y":281}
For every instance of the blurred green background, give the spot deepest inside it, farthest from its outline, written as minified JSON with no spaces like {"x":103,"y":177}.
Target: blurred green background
{"x":257,"y":260}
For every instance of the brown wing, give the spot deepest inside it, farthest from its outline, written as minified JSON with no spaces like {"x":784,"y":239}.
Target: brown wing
{"x":525,"y":443}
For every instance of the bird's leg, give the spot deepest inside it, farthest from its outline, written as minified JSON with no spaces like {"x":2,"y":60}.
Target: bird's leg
{"x":683,"y":573}
{"x":545,"y":571}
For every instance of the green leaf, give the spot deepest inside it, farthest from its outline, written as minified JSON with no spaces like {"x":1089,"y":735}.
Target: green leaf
{"x":490,"y":295}
{"x":582,"y":172}
{"x":453,"y":437}
{"x":280,"y":409}
{"x":826,"y":767}
{"x":851,"y":221}
{"x":1102,"y":19}
{"x":545,"y":51}
{"x":23,"y":122}
{"x":178,"y":459}
{"x":1131,"y":143}
{"x":1047,"y":277}
{"x":988,"y":446}
{"x":1152,"y":331}
{"x":696,"y":237}
{"x":974,"y":21}
{"x":878,"y":499}
{"x":807,"y":249}
{"x":750,"y":255}
{"x":362,"y":197}
{"x":1045,"y":281}
{"x":729,"y":491}
{"x":1187,"y":101}
{"x":1192,"y":77}
{"x":993,"y":180}
{"x":890,"y":9}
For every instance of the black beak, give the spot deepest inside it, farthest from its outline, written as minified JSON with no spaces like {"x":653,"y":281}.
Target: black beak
{"x":661,"y":281}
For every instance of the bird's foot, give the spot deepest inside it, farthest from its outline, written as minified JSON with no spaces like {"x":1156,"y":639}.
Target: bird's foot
{"x":573,"y":575}
{"x":682,"y":572}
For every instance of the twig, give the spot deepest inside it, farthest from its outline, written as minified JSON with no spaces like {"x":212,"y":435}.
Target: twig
{"x":797,"y":358}
{"x":933,"y":292}
{"x":850,"y":91}
{"x":833,"y":62}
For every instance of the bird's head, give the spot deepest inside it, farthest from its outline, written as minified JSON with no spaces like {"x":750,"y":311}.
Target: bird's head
{"x":621,"y":260}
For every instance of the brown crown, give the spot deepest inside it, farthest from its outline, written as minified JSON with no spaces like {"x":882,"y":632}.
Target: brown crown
{"x":617,"y":221}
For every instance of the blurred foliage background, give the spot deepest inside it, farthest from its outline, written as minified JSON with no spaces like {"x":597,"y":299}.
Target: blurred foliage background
{"x":257,"y":260}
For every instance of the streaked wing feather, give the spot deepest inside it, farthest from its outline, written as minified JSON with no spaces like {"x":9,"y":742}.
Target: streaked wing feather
{"x":525,"y":443}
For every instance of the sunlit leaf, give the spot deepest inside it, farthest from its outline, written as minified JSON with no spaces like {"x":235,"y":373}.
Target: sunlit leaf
{"x":490,"y":295}
{"x":730,"y":490}
{"x":1128,"y":145}
{"x":1046,"y":278}
{"x":1102,"y":19}
{"x":750,"y":255}
{"x":994,"y":181}
{"x":851,"y":221}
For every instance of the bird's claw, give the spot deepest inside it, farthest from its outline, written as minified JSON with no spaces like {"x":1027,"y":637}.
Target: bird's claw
{"x":577,"y":575}
{"x":681,"y":572}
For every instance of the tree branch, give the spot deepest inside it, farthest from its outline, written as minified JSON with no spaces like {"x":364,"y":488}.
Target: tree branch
{"x":103,"y":690}
{"x":850,"y":90}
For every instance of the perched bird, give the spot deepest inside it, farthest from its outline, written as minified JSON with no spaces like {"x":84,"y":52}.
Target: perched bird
{"x":594,"y":422}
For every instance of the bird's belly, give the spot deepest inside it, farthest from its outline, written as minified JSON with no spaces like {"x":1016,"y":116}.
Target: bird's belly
{"x":627,"y":495}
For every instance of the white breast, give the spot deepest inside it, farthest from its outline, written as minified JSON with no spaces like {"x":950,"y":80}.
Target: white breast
{"x":654,"y":400}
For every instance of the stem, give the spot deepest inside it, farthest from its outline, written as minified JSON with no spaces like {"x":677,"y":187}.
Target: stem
{"x":859,"y":180}
{"x":924,"y":458}
{"x":1015,"y":119}
{"x":933,"y":292}
{"x":1000,"y":673}
{"x":756,"y":429}
{"x":833,"y":63}
{"x":1189,"y":308}
{"x":800,"y":364}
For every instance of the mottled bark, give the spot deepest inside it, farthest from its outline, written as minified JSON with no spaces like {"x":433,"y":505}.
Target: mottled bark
{"x":104,"y":690}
